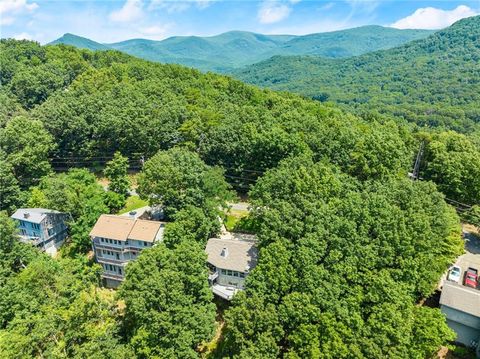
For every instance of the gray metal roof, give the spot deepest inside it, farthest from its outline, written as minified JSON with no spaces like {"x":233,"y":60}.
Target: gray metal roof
{"x":33,"y":215}
{"x":233,"y":254}
{"x":461,"y":298}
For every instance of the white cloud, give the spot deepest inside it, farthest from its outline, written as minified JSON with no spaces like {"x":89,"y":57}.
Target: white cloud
{"x":155,"y":32}
{"x":176,"y":6}
{"x":23,"y":36}
{"x":10,"y":8}
{"x":132,"y":10}
{"x":363,"y":6}
{"x":273,"y":11}
{"x":327,"y":6}
{"x":432,"y":18}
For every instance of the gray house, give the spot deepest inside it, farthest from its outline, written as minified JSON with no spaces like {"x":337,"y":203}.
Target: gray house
{"x":46,"y":229}
{"x":117,"y":240}
{"x":461,"y":306}
{"x":229,"y":262}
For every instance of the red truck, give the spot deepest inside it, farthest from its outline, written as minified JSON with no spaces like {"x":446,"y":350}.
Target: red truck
{"x":471,"y":278}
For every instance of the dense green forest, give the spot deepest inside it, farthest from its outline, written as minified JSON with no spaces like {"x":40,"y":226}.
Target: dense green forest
{"x":233,"y":49}
{"x":432,"y":82}
{"x":348,"y":244}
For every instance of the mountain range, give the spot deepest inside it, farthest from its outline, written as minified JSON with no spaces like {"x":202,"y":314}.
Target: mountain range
{"x":234,"y":49}
{"x":434,"y":81}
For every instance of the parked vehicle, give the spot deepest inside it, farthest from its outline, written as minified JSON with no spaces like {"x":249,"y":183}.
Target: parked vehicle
{"x":471,"y":278}
{"x":455,"y":274}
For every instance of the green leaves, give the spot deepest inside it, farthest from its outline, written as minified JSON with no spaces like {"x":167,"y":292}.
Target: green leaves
{"x":168,"y":302}
{"x":27,"y":146}
{"x":178,"y":178}
{"x":344,"y":262}
{"x":452,"y":161}
{"x":116,"y":173}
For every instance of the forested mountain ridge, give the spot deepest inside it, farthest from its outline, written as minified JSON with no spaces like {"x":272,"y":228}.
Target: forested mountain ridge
{"x":433,"y":82}
{"x":348,"y":244}
{"x":79,"y":42}
{"x":239,"y":48}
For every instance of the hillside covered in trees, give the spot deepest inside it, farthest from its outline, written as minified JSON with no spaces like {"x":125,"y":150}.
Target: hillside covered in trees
{"x":348,"y":244}
{"x":233,"y":49}
{"x":432,"y":82}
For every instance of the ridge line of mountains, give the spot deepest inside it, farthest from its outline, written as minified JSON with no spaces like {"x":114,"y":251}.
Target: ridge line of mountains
{"x":432,"y":81}
{"x":234,"y":49}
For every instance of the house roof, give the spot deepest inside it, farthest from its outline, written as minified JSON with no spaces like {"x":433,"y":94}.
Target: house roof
{"x":33,"y":215}
{"x":233,"y":254}
{"x":144,"y":230}
{"x":461,"y":298}
{"x":123,"y":228}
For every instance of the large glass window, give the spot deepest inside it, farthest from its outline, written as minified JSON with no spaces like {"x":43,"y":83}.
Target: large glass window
{"x":229,"y":272}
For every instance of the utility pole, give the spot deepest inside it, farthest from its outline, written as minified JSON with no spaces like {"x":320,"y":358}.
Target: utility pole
{"x":416,"y":169}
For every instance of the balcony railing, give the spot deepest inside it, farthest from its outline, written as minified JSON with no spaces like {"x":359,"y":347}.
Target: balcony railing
{"x":213,"y":276}
{"x":223,"y":291}
{"x":113,"y":276}
{"x":127,"y":247}
{"x":111,"y":260}
{"x":35,"y":241}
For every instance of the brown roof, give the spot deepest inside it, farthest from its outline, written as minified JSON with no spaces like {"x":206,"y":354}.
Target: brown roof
{"x":123,"y":228}
{"x":144,"y":230}
{"x":112,"y":227}
{"x":461,"y":298}
{"x":241,"y":254}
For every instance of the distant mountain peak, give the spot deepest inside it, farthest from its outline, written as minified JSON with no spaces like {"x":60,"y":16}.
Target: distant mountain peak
{"x":233,"y":49}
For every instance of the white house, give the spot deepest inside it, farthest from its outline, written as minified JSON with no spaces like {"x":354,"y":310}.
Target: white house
{"x":461,"y":306}
{"x":117,"y":240}
{"x":230,"y":261}
{"x":43,"y":228}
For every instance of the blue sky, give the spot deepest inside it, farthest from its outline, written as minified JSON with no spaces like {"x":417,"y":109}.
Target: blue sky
{"x":116,"y":20}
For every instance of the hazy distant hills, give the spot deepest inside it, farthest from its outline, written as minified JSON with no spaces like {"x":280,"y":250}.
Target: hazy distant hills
{"x":433,"y":81}
{"x":235,"y":49}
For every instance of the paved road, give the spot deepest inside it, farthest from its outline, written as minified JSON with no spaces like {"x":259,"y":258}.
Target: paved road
{"x":239,"y":206}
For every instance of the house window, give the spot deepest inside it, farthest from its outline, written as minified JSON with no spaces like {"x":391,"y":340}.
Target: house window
{"x":242,"y":275}
{"x":35,"y":226}
{"x":145,"y":244}
{"x":24,"y":232}
{"x":236,"y":274}
{"x":229,"y":272}
{"x":223,"y":271}
{"x":119,"y":270}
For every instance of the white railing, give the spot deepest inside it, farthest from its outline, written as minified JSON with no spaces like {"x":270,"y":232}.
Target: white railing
{"x":213,"y":276}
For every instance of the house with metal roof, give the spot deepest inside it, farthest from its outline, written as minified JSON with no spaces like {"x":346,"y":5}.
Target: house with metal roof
{"x":43,"y":228}
{"x":461,"y":306}
{"x":117,"y":240}
{"x":230,"y":260}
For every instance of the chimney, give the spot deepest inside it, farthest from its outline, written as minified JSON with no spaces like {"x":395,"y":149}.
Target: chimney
{"x":26,"y":215}
{"x":224,"y":253}
{"x":133,"y":214}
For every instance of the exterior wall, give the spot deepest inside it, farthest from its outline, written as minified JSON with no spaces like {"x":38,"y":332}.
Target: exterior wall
{"x":230,"y":278}
{"x":466,"y":326}
{"x":114,"y":255}
{"x":48,"y":235}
